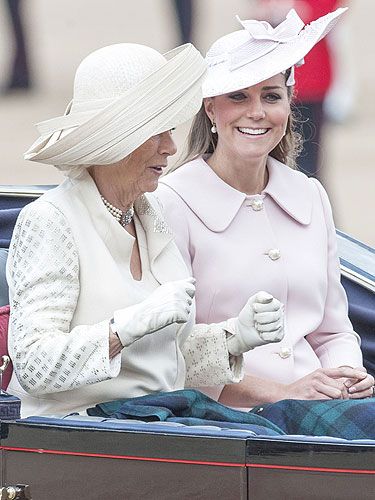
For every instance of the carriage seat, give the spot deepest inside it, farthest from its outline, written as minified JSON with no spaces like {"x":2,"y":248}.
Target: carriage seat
{"x":4,"y":297}
{"x":4,"y":315}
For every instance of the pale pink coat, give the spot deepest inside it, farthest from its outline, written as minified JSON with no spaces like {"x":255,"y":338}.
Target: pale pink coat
{"x":281,"y":241}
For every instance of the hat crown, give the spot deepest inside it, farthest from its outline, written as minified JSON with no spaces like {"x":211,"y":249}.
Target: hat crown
{"x":228,"y":43}
{"x":110,"y":71}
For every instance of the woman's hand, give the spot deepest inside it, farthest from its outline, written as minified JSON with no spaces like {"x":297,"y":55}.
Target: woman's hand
{"x":361,"y":388}
{"x":259,"y":322}
{"x":169,"y":303}
{"x":327,"y":383}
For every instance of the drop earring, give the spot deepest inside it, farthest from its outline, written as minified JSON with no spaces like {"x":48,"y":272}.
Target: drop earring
{"x":213,"y":128}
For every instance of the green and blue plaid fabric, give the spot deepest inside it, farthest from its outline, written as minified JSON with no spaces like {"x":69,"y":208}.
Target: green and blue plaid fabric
{"x":188,"y":407}
{"x":347,"y":419}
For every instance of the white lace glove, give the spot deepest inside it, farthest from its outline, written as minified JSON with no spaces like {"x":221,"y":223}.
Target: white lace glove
{"x":261,"y":321}
{"x":169,"y":303}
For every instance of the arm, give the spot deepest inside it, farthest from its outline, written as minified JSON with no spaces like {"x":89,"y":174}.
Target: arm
{"x":324,"y":383}
{"x":213,"y":353}
{"x":43,"y":275}
{"x":334,"y":341}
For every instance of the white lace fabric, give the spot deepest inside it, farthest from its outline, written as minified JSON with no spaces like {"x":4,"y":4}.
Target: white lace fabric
{"x":207,"y":357}
{"x":43,"y":273}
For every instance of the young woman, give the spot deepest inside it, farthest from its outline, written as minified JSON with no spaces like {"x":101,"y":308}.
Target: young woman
{"x":244,"y":220}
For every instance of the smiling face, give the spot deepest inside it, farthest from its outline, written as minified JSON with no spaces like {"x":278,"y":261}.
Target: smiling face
{"x":252,"y":121}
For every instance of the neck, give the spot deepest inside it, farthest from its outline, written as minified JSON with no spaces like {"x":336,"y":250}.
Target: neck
{"x":112,"y":189}
{"x":249,"y":177}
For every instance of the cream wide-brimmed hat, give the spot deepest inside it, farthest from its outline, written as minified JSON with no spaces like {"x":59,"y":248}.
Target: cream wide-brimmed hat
{"x":259,"y":51}
{"x":123,"y":95}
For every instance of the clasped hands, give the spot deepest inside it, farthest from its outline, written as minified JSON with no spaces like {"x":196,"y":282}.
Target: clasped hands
{"x":343,"y":382}
{"x":260,"y":321}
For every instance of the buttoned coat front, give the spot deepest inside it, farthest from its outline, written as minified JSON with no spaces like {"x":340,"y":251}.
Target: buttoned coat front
{"x":281,"y":241}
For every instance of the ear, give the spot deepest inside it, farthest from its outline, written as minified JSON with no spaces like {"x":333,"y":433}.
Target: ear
{"x":208,"y":104}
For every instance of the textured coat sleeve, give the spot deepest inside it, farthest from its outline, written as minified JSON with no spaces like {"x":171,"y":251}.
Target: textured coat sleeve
{"x":208,"y":361}
{"x":43,"y":276}
{"x":334,"y":341}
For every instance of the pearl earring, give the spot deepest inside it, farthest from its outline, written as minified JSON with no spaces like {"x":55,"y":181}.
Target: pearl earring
{"x":213,"y":128}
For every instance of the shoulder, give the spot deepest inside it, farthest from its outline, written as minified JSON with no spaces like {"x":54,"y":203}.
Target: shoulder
{"x":41,"y":221}
{"x":317,"y":186}
{"x":42,"y":234}
{"x":183,"y":179}
{"x":282,"y":174}
{"x":323,"y":199}
{"x":308,"y":185}
{"x":175,"y":186}
{"x":42,"y":209}
{"x":296,"y":193}
{"x":185,"y":171}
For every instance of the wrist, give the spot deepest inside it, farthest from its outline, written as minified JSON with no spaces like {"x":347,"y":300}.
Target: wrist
{"x":235,"y":344}
{"x":113,"y":330}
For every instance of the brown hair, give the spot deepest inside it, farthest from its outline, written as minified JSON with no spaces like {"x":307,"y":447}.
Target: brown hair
{"x":202,"y":141}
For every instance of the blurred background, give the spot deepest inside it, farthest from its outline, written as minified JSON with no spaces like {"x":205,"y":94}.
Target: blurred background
{"x":42,"y":43}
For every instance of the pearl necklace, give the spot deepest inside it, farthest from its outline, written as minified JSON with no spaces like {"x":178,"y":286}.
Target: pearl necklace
{"x":124,"y":218}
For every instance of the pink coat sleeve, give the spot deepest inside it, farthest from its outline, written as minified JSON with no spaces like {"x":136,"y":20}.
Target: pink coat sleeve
{"x":334,"y":341}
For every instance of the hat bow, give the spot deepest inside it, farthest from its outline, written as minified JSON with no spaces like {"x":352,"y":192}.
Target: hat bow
{"x":264,"y":38}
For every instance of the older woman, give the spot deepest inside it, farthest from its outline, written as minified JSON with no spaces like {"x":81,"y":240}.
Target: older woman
{"x":245,"y":221}
{"x":101,"y":301}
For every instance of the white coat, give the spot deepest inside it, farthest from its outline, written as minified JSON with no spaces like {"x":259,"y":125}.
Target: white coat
{"x":68,"y":271}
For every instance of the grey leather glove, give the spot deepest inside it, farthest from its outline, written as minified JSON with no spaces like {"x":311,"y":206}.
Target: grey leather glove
{"x":169,"y":303}
{"x":261,"y":321}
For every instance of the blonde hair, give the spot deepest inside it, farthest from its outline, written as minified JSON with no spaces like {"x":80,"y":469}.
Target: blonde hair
{"x":202,"y":141}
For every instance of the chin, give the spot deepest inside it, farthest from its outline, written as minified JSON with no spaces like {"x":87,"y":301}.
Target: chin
{"x":150,"y":188}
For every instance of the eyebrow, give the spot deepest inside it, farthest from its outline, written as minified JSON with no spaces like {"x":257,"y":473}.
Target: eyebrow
{"x":272,"y":87}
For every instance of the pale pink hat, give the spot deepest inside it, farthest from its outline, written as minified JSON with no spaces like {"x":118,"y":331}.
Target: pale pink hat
{"x":259,"y":51}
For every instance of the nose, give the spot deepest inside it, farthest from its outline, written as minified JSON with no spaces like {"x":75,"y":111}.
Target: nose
{"x":255,"y":110}
{"x":167,"y":145}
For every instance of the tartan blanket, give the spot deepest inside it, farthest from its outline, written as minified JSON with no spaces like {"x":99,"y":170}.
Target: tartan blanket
{"x":348,"y":418}
{"x":188,"y":407}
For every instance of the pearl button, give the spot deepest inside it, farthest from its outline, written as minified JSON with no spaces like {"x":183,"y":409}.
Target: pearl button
{"x":256,"y":205}
{"x":274,"y":254}
{"x":285,"y":352}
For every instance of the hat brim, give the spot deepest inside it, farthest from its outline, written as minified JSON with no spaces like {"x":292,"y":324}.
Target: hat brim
{"x":166,"y":98}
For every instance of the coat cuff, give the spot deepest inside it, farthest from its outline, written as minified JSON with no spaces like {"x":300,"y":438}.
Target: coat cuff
{"x":208,"y":361}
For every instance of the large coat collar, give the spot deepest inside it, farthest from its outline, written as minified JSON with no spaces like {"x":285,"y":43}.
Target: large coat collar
{"x":216,"y":203}
{"x":158,"y":233}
